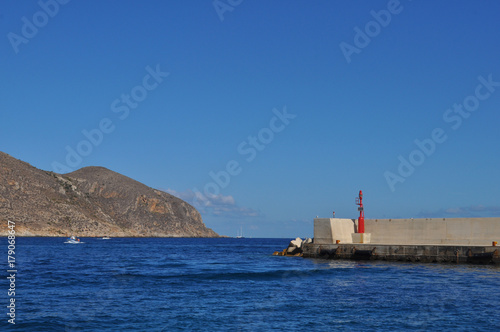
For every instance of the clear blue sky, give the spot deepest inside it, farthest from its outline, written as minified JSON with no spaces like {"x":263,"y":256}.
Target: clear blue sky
{"x":303,"y":108}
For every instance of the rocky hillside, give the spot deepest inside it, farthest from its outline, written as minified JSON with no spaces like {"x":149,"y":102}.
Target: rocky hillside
{"x":92,"y":201}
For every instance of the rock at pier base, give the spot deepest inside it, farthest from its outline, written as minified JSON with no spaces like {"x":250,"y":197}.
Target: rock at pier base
{"x":295,"y":248}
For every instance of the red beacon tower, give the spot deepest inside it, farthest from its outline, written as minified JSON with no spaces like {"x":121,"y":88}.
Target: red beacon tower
{"x":361,"y":220}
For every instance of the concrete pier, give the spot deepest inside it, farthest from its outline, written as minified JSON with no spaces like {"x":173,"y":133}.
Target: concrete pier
{"x":454,"y":240}
{"x":422,"y":231}
{"x":405,"y":253}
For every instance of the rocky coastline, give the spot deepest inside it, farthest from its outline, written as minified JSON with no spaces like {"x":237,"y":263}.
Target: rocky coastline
{"x":90,"y":202}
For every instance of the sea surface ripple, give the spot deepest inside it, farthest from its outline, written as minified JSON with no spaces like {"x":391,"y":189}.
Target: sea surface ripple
{"x":158,"y":284}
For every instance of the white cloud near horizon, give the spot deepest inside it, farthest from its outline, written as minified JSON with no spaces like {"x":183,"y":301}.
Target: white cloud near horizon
{"x":214,"y":205}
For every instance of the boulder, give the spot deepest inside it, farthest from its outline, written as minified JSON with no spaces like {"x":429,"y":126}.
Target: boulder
{"x":295,"y":247}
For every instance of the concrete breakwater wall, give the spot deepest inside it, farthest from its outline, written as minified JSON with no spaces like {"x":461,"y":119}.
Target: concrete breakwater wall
{"x":405,"y":253}
{"x":422,"y":231}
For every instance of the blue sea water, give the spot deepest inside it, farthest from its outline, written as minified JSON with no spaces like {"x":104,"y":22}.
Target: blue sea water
{"x":157,"y":284}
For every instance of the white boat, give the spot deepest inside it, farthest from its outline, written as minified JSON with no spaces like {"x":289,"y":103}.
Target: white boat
{"x":106,"y":238}
{"x":73,"y":240}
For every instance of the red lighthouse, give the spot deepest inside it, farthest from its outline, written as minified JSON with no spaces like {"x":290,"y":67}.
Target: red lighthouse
{"x":361,"y":220}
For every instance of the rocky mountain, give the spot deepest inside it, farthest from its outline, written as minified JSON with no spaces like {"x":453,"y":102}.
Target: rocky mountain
{"x":92,"y":201}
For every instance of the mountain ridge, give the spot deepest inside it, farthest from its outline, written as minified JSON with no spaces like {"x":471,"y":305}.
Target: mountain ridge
{"x":91,"y":201}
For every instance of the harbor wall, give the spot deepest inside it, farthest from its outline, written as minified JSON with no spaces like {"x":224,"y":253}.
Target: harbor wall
{"x":405,"y":253}
{"x":422,"y":231}
{"x":328,"y":230}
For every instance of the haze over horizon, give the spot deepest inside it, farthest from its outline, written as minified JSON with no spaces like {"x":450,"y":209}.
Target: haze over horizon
{"x":263,"y":115}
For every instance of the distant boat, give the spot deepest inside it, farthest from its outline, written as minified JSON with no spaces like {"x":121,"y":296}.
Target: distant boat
{"x":106,"y":238}
{"x":240,"y":235}
{"x":73,"y":240}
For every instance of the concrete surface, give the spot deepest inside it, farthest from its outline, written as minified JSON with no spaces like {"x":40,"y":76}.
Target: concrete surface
{"x":361,"y":237}
{"x":405,"y":253}
{"x":328,"y":230}
{"x":423,"y":231}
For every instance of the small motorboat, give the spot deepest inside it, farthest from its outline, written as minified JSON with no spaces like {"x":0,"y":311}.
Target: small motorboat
{"x":106,"y":238}
{"x":73,"y":240}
